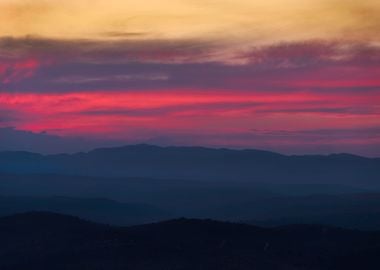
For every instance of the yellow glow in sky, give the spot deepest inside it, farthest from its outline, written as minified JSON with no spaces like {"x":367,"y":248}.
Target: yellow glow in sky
{"x":231,"y":21}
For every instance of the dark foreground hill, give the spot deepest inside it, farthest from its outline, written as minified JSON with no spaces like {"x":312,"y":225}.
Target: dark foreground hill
{"x":50,"y":241}
{"x":355,"y":211}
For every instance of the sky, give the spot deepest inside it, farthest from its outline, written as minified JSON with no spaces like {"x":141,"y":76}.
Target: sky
{"x":292,"y":76}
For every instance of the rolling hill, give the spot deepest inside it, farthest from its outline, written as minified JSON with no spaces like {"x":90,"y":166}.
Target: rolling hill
{"x":41,"y":240}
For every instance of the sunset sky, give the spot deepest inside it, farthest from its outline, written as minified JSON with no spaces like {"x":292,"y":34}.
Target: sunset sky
{"x":293,"y":76}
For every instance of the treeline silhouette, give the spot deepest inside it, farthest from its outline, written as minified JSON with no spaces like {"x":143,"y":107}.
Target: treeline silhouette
{"x":41,"y":240}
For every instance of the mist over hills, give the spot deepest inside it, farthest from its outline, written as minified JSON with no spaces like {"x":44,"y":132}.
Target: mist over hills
{"x":143,"y":183}
{"x":140,"y":184}
{"x":197,"y":163}
{"x":95,"y":209}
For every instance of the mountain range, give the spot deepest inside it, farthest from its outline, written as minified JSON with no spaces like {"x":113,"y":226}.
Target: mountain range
{"x":139,"y":184}
{"x":197,"y":163}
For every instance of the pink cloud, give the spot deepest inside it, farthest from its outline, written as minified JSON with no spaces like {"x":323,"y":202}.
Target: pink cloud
{"x":113,"y":113}
{"x":17,"y":70}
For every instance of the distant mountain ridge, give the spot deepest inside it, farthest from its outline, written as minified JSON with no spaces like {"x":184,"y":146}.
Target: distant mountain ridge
{"x":151,"y":147}
{"x":199,"y":163}
{"x":95,"y":209}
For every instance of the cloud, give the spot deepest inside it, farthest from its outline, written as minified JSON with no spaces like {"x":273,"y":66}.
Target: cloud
{"x":82,"y":65}
{"x":15,"y":71}
{"x":312,"y":53}
{"x":187,"y":51}
{"x":12,"y":139}
{"x":106,"y":51}
{"x":194,"y":91}
{"x":98,"y":112}
{"x":6,"y":117}
{"x":361,"y":141}
{"x":111,"y":78}
{"x":231,"y":22}
{"x":313,"y":141}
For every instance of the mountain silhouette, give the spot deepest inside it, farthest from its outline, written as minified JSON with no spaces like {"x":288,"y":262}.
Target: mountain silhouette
{"x":356,"y":211}
{"x":197,"y":163}
{"x":95,"y":209}
{"x":41,"y":240}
